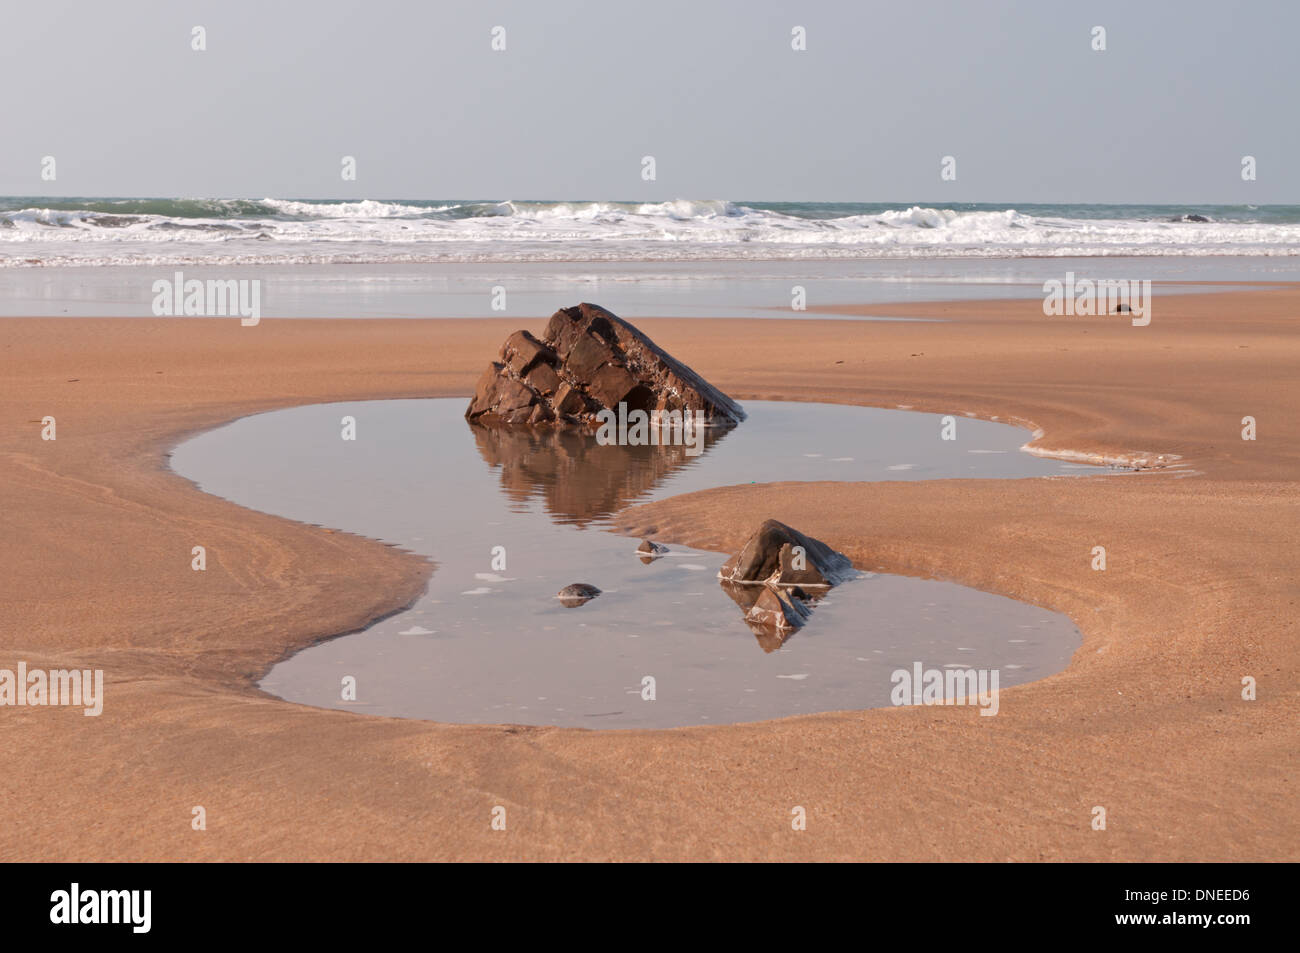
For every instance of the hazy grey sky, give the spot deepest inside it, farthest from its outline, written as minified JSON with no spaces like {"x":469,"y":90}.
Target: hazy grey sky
{"x":712,"y":90}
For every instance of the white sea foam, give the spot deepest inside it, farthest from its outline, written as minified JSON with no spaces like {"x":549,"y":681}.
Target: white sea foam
{"x":289,"y":231}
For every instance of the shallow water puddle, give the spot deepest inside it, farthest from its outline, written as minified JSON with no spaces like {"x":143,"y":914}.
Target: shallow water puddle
{"x":489,"y":643}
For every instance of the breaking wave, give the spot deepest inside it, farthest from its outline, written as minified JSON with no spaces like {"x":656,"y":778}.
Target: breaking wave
{"x":125,"y":231}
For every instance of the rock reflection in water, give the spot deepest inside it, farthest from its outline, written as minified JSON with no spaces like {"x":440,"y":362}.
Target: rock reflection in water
{"x":770,"y":635}
{"x":578,"y":480}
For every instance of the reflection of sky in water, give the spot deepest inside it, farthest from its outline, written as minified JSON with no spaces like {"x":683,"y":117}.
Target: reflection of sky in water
{"x":491,"y":645}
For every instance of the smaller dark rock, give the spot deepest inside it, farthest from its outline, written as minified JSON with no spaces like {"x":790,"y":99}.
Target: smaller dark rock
{"x":770,"y":556}
{"x":649,"y":551}
{"x":1122,"y":307}
{"x":777,"y":577}
{"x":576,"y":594}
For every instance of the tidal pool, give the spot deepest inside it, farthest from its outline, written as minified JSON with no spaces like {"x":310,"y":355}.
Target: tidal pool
{"x":511,"y":517}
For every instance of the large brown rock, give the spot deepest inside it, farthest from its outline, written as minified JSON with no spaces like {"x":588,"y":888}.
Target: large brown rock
{"x":590,"y":360}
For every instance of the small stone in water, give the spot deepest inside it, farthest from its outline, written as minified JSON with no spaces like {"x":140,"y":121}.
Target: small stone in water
{"x":577,"y":594}
{"x":649,"y":551}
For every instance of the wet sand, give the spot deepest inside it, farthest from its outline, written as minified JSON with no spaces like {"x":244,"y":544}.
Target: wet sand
{"x":1147,"y":720}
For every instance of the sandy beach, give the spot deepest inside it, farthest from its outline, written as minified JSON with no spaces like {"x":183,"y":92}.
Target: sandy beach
{"x":1148,"y":720}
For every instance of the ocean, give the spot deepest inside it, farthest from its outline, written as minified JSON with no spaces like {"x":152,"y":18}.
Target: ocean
{"x":685,"y":258}
{"x":152,"y":231}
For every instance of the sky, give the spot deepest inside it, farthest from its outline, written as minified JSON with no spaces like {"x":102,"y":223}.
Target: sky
{"x":712,"y":89}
